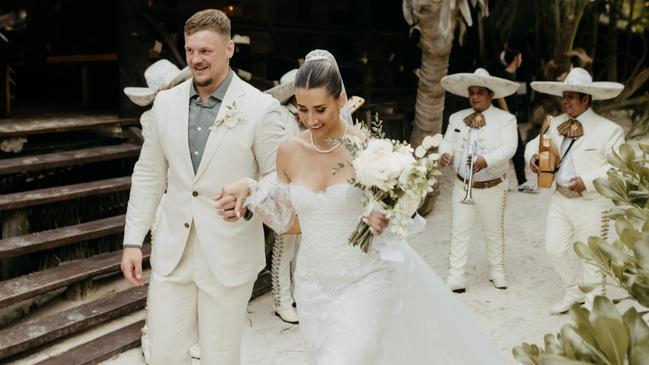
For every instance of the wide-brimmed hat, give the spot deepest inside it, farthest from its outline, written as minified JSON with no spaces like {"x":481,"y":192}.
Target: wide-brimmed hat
{"x":579,"y":80}
{"x":460,"y":83}
{"x":286,"y":87}
{"x":160,"y":75}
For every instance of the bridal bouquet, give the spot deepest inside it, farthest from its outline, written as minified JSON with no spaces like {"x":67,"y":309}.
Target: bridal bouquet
{"x":393,"y":176}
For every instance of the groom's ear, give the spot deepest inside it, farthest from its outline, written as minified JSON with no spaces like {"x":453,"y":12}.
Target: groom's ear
{"x":229,"y":48}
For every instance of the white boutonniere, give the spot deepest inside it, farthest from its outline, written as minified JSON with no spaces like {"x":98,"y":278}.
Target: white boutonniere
{"x":231,"y":117}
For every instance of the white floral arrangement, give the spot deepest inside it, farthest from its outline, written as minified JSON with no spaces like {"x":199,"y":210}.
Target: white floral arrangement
{"x":394,"y":178}
{"x":231,"y":117}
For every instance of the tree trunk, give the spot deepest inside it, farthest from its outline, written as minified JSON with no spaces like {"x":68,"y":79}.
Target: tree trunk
{"x":435,"y":43}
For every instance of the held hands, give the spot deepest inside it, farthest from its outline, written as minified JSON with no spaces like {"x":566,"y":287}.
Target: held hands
{"x":132,"y":265}
{"x":376,"y":221}
{"x":229,"y":201}
{"x":534,"y":164}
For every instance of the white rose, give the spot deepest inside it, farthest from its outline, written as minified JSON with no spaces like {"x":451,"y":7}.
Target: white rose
{"x":433,"y":141}
{"x":420,"y":151}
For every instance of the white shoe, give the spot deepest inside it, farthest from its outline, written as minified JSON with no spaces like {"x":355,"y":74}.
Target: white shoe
{"x":573,"y":295}
{"x":527,"y":188}
{"x":456,"y":284}
{"x":499,"y":281}
{"x":288,"y":316}
{"x":195,"y":351}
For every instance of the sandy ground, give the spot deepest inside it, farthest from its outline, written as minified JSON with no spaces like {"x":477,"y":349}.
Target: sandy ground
{"x":519,"y":314}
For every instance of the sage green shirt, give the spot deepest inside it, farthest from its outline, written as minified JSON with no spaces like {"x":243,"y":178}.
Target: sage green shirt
{"x":201,"y":117}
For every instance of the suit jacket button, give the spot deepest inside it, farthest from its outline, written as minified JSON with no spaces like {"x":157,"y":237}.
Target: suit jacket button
{"x":186,"y":225}
{"x":195,"y":193}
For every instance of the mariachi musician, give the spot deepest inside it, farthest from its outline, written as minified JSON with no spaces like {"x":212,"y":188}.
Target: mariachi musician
{"x":583,"y":141}
{"x":479,"y":142}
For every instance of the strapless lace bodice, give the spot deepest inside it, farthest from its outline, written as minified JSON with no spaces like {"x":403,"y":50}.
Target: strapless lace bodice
{"x":327,"y":219}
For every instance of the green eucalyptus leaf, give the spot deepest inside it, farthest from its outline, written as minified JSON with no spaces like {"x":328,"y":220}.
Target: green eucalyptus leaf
{"x":587,"y":288}
{"x":641,"y":252}
{"x":585,"y":252}
{"x":615,"y":254}
{"x":583,"y":326}
{"x":552,"y":345}
{"x":551,"y":359}
{"x":640,"y":291}
{"x":638,"y":328}
{"x":644,"y":147}
{"x":615,"y":160}
{"x":626,"y":153}
{"x":523,"y":356}
{"x":630,"y":236}
{"x":602,"y":186}
{"x":612,"y":339}
{"x":640,"y":355}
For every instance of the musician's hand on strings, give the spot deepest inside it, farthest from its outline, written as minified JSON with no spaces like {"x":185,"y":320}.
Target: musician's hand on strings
{"x":577,"y":185}
{"x":446,"y":159}
{"x":479,"y":164}
{"x":534,"y":164}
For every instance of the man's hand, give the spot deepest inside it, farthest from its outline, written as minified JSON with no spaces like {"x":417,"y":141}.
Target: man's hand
{"x":132,"y":265}
{"x":479,"y":164}
{"x":446,"y":159}
{"x":577,"y":185}
{"x":229,"y":201}
{"x":534,"y":164}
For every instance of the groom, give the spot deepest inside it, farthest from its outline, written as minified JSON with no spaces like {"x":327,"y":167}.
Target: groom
{"x":205,"y":132}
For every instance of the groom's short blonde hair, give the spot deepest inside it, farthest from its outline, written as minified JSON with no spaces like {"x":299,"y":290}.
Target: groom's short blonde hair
{"x":208,"y":19}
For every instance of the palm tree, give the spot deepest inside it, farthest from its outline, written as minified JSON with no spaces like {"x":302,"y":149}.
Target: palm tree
{"x":436,"y":21}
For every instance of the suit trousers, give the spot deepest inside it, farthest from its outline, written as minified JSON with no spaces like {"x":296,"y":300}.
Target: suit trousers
{"x":191,"y":304}
{"x":489,"y":211}
{"x":571,"y":220}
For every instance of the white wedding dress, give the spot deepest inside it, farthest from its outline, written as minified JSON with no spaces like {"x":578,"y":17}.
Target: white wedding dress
{"x":356,"y":308}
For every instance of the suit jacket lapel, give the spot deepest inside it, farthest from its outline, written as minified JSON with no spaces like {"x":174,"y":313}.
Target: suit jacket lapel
{"x":217,"y":133}
{"x":180,"y":122}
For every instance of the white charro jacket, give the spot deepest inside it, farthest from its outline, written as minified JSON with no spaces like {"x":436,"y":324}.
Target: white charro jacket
{"x":590,"y":152}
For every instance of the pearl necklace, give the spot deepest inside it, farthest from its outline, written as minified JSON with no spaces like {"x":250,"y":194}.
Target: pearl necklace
{"x":332,"y":148}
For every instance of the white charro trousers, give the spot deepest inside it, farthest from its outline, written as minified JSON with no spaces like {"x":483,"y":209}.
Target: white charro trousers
{"x":488,"y":211}
{"x":192,"y":301}
{"x":571,"y":220}
{"x":285,"y":251}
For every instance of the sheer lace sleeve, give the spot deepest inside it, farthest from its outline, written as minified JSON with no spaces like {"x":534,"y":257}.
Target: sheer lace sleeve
{"x":269,"y":200}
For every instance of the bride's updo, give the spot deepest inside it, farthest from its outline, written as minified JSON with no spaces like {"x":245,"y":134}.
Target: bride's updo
{"x":320,"y":73}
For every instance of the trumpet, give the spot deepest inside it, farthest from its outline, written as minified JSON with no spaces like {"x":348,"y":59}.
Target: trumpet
{"x":468,"y":182}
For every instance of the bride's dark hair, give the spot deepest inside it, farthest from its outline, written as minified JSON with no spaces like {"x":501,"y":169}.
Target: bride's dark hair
{"x":319,"y":73}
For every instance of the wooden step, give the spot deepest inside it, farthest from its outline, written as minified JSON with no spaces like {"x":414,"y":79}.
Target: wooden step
{"x":13,"y":127}
{"x":34,"y":333}
{"x":20,"y":245}
{"x":101,"y":348}
{"x":30,"y":285}
{"x":68,"y":158}
{"x":61,"y":193}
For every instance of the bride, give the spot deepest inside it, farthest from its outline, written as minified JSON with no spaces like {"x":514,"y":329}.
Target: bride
{"x":354,"y":307}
